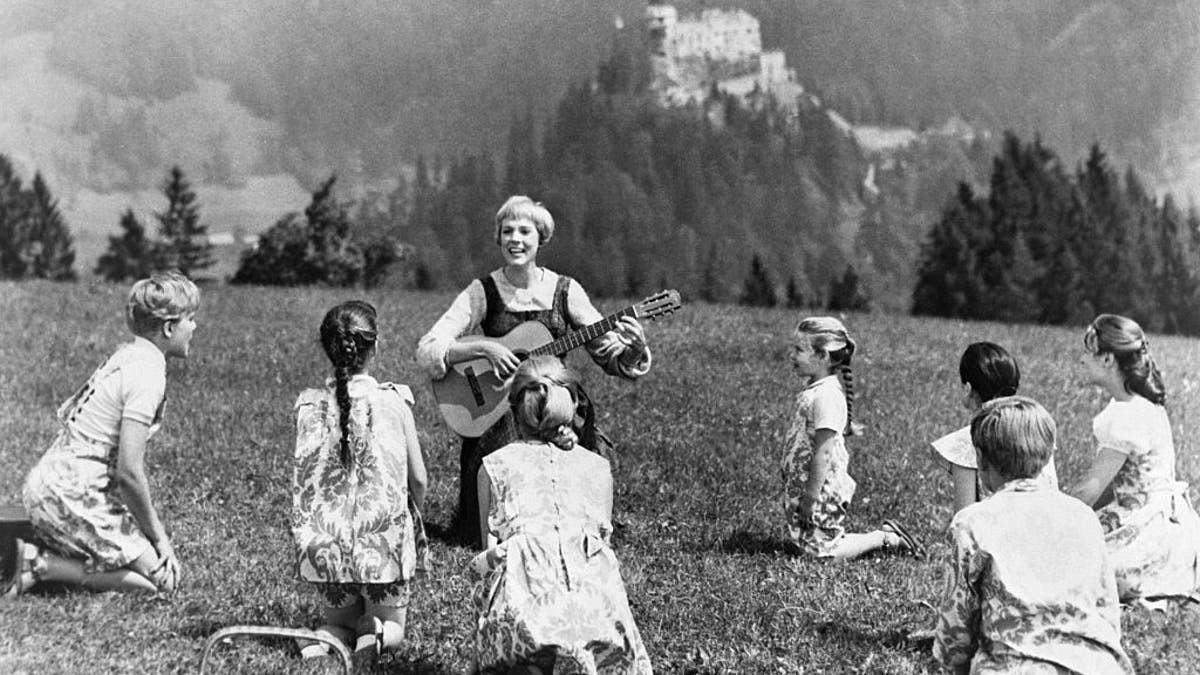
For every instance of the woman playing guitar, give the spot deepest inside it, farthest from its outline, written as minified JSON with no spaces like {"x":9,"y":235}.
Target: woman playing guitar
{"x":495,"y":304}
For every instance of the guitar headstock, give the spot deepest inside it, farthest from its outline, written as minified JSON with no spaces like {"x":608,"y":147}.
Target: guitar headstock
{"x":659,"y":304}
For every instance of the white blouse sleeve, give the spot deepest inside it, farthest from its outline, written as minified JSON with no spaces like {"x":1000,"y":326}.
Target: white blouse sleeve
{"x":462,"y":317}
{"x":621,"y":361}
{"x":1121,"y":428}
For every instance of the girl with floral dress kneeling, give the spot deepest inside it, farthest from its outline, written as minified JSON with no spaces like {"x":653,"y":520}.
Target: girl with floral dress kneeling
{"x":358,"y":484}
{"x":548,"y":591}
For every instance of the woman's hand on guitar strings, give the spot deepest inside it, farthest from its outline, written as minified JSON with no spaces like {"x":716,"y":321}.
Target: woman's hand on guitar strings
{"x":631,"y":334}
{"x":504,"y":361}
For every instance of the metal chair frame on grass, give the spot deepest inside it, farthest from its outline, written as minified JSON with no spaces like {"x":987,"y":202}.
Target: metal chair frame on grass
{"x":226,"y":635}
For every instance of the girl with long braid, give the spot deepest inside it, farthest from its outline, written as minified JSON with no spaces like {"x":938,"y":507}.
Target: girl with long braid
{"x":817,"y":485}
{"x":1150,"y":527}
{"x":357,"y":488}
{"x":548,"y":592}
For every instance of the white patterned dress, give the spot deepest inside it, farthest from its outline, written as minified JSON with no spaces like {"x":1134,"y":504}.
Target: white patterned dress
{"x":820,"y":405}
{"x":551,"y":593}
{"x":354,"y":527}
{"x":1031,"y":588}
{"x":1152,"y":530}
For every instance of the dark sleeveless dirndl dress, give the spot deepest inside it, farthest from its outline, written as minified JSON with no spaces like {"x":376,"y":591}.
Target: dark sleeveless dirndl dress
{"x":498,"y":321}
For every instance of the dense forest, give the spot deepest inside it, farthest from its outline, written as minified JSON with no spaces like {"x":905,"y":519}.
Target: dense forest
{"x":1049,"y":244}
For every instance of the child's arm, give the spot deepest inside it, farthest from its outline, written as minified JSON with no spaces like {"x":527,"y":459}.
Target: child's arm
{"x":956,"y":637}
{"x":818,"y":468}
{"x":1099,"y":476}
{"x":485,"y":508}
{"x":135,"y":493}
{"x":418,"y":479}
{"x":966,"y":490}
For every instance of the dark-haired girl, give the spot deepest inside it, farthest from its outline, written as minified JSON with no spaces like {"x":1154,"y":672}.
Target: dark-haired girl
{"x":987,"y":372}
{"x":358,"y":484}
{"x":1151,"y":529}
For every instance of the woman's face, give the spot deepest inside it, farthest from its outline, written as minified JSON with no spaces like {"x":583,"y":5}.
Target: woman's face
{"x":519,"y":241}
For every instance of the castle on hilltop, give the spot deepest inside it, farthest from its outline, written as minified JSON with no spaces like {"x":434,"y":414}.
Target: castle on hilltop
{"x":690,"y":55}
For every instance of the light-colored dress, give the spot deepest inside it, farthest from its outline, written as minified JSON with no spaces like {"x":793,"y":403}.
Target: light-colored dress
{"x":69,"y":494}
{"x":1031,"y":589}
{"x":552,"y":586}
{"x":356,"y":526}
{"x":820,"y":405}
{"x":1152,"y":530}
{"x":957,"y":448}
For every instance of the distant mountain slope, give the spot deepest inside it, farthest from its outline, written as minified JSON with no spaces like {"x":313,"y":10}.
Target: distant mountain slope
{"x":364,"y":86}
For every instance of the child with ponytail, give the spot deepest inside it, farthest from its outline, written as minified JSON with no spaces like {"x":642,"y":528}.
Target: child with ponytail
{"x":1151,"y":529}
{"x":817,"y":485}
{"x":548,"y":591}
{"x":358,"y":483}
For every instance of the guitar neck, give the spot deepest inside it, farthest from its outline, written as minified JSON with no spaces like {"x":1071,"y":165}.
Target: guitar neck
{"x":584,"y":335}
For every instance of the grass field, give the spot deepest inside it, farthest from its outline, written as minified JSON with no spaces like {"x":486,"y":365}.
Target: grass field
{"x":697,"y":484}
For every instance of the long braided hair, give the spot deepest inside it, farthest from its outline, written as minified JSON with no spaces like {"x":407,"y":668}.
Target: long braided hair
{"x":542,"y":403}
{"x":1126,"y":341}
{"x":348,"y":335}
{"x":828,"y":335}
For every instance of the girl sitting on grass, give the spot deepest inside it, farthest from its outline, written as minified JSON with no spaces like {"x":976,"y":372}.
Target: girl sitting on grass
{"x":1152,"y":530}
{"x":548,"y":592}
{"x":817,"y":486}
{"x":88,"y":498}
{"x":1032,"y":589}
{"x":358,"y":483}
{"x":988,"y":372}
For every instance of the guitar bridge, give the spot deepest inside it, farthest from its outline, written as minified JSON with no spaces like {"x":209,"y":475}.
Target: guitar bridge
{"x":473,"y":381}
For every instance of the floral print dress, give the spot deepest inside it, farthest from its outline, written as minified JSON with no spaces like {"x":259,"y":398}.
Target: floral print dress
{"x":357,"y":526}
{"x":1031,"y":589}
{"x":820,"y":405}
{"x":70,"y":494}
{"x":550,"y":592}
{"x":1152,"y":530}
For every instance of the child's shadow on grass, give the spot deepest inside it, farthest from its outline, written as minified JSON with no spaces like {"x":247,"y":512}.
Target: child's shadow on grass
{"x":748,"y":542}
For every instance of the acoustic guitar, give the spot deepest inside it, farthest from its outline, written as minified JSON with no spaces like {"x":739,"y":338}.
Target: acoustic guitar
{"x":470,"y":396}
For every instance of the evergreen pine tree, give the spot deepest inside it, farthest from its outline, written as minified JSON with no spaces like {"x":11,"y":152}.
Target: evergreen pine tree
{"x":50,"y":254}
{"x":14,"y":222}
{"x":183,"y":241}
{"x":845,"y":294}
{"x":794,"y":299}
{"x":129,"y":256}
{"x":758,"y":290}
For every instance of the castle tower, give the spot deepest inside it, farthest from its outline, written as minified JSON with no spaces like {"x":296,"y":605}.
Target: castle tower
{"x":660,"y":27}
{"x":661,"y":20}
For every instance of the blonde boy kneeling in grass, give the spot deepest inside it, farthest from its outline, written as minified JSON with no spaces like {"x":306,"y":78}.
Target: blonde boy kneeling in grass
{"x":1032,"y":589}
{"x":88,"y":497}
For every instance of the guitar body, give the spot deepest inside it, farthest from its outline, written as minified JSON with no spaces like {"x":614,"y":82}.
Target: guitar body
{"x":470,"y":397}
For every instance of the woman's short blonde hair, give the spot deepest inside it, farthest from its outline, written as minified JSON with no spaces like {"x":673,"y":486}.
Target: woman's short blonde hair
{"x":163,"y":297}
{"x":520,"y":207}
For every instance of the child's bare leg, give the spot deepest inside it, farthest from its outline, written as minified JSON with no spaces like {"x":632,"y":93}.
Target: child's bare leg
{"x":340,"y":618}
{"x":392,"y":610}
{"x":855,"y":544}
{"x":126,"y":579}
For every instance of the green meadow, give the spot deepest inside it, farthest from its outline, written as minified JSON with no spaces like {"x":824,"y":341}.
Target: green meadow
{"x":697,"y":484}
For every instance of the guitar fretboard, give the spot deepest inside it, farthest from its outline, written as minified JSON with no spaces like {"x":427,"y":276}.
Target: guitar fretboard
{"x":584,"y":335}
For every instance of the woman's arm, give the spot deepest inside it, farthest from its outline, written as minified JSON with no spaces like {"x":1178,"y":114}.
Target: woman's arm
{"x":134,"y":490}
{"x":433,"y":349}
{"x":417,"y":477}
{"x":623,"y":351}
{"x":818,"y":469}
{"x":1099,"y":476}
